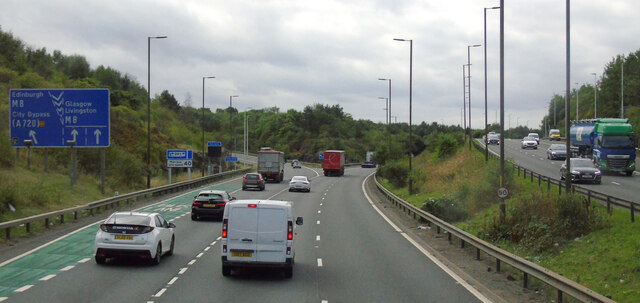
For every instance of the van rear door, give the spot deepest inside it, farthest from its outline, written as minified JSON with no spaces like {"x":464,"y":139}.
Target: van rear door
{"x":272,"y":234}
{"x":242,"y":233}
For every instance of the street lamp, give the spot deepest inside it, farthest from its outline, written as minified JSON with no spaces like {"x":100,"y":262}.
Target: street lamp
{"x":410,"y":107}
{"x":246,"y":135}
{"x":389,"y":113}
{"x":386,"y":108}
{"x":486,"y":127}
{"x":577,"y":99}
{"x":469,"y":76}
{"x":231,"y":123}
{"x":204,"y":144}
{"x":595,"y":93}
{"x":464,"y":99}
{"x":149,"y":107}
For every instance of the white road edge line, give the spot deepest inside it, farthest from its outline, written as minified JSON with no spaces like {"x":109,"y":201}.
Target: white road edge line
{"x":3,"y":298}
{"x":47,"y":277}
{"x":159,"y":294}
{"x":23,"y":288}
{"x":462,"y":282}
{"x":98,"y":222}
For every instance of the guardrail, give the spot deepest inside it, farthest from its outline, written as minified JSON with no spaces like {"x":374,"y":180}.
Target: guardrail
{"x":110,"y":202}
{"x":528,"y":268}
{"x":605,"y":199}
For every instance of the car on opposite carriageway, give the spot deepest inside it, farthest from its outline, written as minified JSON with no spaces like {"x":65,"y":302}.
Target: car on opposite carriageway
{"x":557,"y":151}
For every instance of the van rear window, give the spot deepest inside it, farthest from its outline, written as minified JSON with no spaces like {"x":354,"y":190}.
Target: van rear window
{"x":272,"y":220}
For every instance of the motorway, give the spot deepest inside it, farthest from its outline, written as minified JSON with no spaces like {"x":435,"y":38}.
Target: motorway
{"x":346,"y":251}
{"x":613,"y":184}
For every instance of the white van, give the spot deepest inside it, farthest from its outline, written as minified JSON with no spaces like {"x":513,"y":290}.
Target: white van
{"x":258,"y":233}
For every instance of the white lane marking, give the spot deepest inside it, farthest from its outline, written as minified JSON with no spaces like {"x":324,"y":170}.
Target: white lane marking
{"x":67,"y":268}
{"x":159,"y":294}
{"x":192,"y":261}
{"x":85,"y":260}
{"x":198,"y":256}
{"x":213,"y":243}
{"x":319,"y":262}
{"x":183,"y":270}
{"x":320,"y":204}
{"x":99,"y":222}
{"x":318,"y":222}
{"x":207,"y":248}
{"x":218,"y":239}
{"x":149,"y":301}
{"x":23,"y":288}
{"x":318,"y":238}
{"x":173,"y":280}
{"x":325,"y":301}
{"x":3,"y":298}
{"x":47,"y":277}
{"x":319,"y":211}
{"x":462,"y":282}
{"x":614,"y":182}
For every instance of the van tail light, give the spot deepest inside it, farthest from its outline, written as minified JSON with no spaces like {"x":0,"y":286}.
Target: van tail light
{"x":224,"y":248}
{"x":253,"y":205}
{"x":225,"y":222}
{"x":147,"y":229}
{"x":288,"y":250}
{"x":290,"y":230}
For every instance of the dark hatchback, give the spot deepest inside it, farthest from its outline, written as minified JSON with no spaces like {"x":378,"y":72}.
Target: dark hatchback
{"x":557,"y":151}
{"x":210,"y":204}
{"x":252,"y":180}
{"x":368,"y":164}
{"x":582,"y":170}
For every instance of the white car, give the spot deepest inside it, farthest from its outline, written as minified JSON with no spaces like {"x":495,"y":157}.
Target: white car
{"x":134,"y":234}
{"x":529,"y":142}
{"x":299,"y":183}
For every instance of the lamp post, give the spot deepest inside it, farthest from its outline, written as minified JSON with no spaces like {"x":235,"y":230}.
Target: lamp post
{"x":502,"y":204}
{"x":622,"y":89}
{"x":595,"y":93}
{"x":469,"y":77}
{"x":204,"y":143}
{"x":389,"y":113}
{"x":577,"y":99}
{"x":486,"y":127}
{"x":410,"y":107}
{"x":567,"y":95}
{"x":246,"y":136}
{"x":149,"y":107}
{"x":231,"y":124}
{"x":386,"y":109}
{"x":464,"y":99}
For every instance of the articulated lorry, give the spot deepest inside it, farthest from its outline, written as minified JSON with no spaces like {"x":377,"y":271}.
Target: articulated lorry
{"x":271,"y":164}
{"x":333,"y":163}
{"x":608,"y":141}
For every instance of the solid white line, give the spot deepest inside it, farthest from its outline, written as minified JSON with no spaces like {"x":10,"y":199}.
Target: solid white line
{"x":462,"y":282}
{"x":319,"y":262}
{"x":318,"y":238}
{"x":159,"y":294}
{"x":183,"y":270}
{"x":192,"y":261}
{"x":616,"y":183}
{"x":173,"y":280}
{"x":199,"y":255}
{"x":47,"y":277}
{"x":23,"y":288}
{"x":85,"y":260}
{"x":98,"y":222}
{"x":67,"y":268}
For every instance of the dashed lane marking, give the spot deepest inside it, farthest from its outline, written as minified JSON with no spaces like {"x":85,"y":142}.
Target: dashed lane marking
{"x":319,"y":262}
{"x":614,"y":182}
{"x":23,"y":288}
{"x":159,"y":294}
{"x":183,"y":270}
{"x":173,"y":280}
{"x":318,"y":238}
{"x":47,"y":277}
{"x":67,"y":268}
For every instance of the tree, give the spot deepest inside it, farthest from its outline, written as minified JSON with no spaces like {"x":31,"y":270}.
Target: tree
{"x":168,"y":101}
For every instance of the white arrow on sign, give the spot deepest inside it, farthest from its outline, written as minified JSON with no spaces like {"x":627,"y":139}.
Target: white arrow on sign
{"x":74,"y":133}
{"x":97,"y":133}
{"x":32,"y":134}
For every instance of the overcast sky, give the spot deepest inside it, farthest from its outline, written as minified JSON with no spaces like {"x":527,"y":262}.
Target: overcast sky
{"x":291,"y":54}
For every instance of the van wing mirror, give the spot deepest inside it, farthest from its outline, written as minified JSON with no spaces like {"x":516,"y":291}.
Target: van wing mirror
{"x":299,"y":221}
{"x":232,"y":198}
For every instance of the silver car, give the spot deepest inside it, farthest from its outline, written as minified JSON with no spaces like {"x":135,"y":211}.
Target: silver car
{"x":299,"y":183}
{"x":529,"y":142}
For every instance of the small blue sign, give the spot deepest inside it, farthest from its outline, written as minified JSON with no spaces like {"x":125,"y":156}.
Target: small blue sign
{"x":217,"y":143}
{"x":179,"y":154}
{"x":321,"y":156}
{"x":231,"y":159}
{"x":56,"y":117}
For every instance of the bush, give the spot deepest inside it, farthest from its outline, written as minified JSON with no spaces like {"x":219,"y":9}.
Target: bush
{"x":445,"y":208}
{"x":446,"y":146}
{"x":396,"y":172}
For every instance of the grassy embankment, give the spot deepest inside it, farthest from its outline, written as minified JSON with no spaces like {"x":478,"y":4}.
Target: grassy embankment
{"x":606,"y":260}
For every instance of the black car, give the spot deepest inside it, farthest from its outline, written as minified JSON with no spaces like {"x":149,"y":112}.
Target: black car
{"x":368,"y":164}
{"x":582,"y":169}
{"x":557,"y":151}
{"x":210,"y":203}
{"x":252,"y":180}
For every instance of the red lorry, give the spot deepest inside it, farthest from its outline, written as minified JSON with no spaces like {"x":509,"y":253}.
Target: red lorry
{"x":333,"y":163}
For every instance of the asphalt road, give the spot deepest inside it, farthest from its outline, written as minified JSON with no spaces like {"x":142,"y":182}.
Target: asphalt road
{"x":613,"y":184}
{"x":346,"y":251}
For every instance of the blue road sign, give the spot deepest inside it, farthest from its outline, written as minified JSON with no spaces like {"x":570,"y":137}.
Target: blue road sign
{"x":321,"y":156}
{"x":217,"y":143}
{"x":51,"y":117}
{"x":231,"y":159}
{"x":179,"y":154}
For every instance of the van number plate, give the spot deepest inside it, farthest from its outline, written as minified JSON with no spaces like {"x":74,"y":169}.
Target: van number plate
{"x":244,"y":254}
